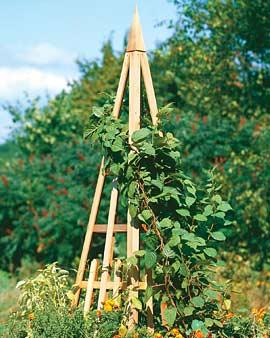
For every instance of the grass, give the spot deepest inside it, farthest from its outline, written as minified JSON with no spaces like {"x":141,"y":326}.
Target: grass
{"x":8,"y":297}
{"x":8,"y":292}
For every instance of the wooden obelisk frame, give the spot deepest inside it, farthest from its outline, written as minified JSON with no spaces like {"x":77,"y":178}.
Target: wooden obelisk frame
{"x":135,"y":64}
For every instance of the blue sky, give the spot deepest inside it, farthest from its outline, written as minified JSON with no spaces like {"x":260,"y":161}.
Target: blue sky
{"x":41,"y":39}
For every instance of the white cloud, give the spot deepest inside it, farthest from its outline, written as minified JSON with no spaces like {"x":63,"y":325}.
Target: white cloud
{"x":46,"y":54}
{"x":15,"y":81}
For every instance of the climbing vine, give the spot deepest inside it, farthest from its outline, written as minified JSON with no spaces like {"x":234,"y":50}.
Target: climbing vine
{"x":182,"y":225}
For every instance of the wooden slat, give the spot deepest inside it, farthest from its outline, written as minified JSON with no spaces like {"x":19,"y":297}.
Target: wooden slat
{"x":149,"y":303}
{"x":90,"y":285}
{"x":150,"y":92}
{"x":102,"y":228}
{"x":117,"y":277}
{"x":111,"y":284}
{"x":134,"y":124}
{"x":89,"y":232}
{"x":108,"y":247}
{"x":133,"y":234}
{"x":163,"y":307}
{"x":121,"y":87}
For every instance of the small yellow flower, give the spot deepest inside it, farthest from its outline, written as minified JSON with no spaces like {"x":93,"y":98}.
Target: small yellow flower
{"x":179,"y":335}
{"x":111,"y":302}
{"x":108,"y":307}
{"x":175,"y":331}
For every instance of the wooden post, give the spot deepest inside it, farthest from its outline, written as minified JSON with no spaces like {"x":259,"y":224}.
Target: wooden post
{"x":89,"y":291}
{"x":108,"y":247}
{"x":89,"y":233}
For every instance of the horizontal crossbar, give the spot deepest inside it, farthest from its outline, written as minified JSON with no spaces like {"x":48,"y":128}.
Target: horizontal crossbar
{"x":102,"y":228}
{"x":110,"y":285}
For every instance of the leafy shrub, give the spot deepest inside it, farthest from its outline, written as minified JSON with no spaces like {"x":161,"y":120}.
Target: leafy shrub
{"x":183,"y":225}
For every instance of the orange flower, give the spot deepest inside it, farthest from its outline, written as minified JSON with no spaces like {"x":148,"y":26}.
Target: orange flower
{"x":158,"y":335}
{"x":258,"y":313}
{"x":98,"y":313}
{"x":199,"y":334}
{"x":229,"y":315}
{"x":31,"y":316}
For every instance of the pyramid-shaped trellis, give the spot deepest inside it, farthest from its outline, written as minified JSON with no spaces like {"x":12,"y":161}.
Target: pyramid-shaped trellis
{"x":135,"y":66}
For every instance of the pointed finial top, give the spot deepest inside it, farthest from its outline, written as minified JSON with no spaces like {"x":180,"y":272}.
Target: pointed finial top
{"x":135,"y":39}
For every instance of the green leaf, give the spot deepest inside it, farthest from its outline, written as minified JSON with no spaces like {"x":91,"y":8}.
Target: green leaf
{"x":211,"y":252}
{"x":200,"y":218}
{"x":170,"y":316}
{"x":208,"y":322}
{"x":139,"y":253}
{"x":157,"y":184}
{"x":148,"y":149}
{"x":218,"y":323}
{"x":145,"y":215}
{"x":175,"y":240}
{"x":220,"y":214}
{"x":197,"y":301}
{"x":227,"y":304}
{"x":190,"y":201}
{"x":208,"y":210}
{"x":166,"y":223}
{"x":136,"y":303}
{"x":133,"y":209}
{"x":183,"y":212}
{"x":176,"y":266}
{"x":132,"y":260}
{"x":191,"y":190}
{"x":140,"y":135}
{"x":218,"y":235}
{"x":197,"y":325}
{"x":188,"y":310}
{"x":150,"y":259}
{"x":212,"y":294}
{"x":217,"y":198}
{"x":224,"y":206}
{"x":116,"y":147}
{"x":148,"y":294}
{"x":168,"y":252}
{"x":132,"y":188}
{"x":183,"y":270}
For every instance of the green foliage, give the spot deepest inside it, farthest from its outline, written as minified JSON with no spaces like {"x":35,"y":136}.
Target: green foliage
{"x":45,"y":201}
{"x":179,"y":246}
{"x":50,"y":286}
{"x":216,"y":71}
